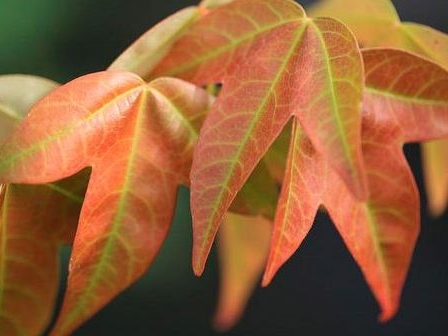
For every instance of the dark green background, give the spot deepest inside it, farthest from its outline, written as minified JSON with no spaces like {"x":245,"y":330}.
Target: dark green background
{"x":319,"y":292}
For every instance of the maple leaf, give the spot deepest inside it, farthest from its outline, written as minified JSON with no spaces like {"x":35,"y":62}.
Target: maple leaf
{"x":308,"y":68}
{"x":138,"y":138}
{"x":243,"y":246}
{"x":382,"y":27}
{"x":405,"y":100}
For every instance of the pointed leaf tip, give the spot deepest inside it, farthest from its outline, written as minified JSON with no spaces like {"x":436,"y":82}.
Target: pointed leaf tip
{"x":299,"y":200}
{"x":387,"y":314}
{"x":198,"y":264}
{"x":268,"y":276}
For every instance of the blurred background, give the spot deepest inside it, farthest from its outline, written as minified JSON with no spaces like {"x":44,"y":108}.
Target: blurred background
{"x":318,"y":292}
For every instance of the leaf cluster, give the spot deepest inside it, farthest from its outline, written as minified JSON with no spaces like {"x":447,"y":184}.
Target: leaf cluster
{"x":266,"y":113}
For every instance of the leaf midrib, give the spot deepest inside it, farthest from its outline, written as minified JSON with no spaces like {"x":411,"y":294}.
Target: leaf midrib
{"x":178,"y":112}
{"x":116,"y":221}
{"x":286,"y":60}
{"x":371,"y":221}
{"x":53,"y":186}
{"x":405,"y":99}
{"x":3,"y":223}
{"x":334,"y":102}
{"x":9,"y":113}
{"x":295,"y":143}
{"x":3,"y":242}
{"x":62,"y":132}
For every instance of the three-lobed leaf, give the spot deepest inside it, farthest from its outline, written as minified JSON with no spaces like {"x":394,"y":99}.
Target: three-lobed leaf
{"x":405,"y":100}
{"x":311,"y":69}
{"x":138,"y":139}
